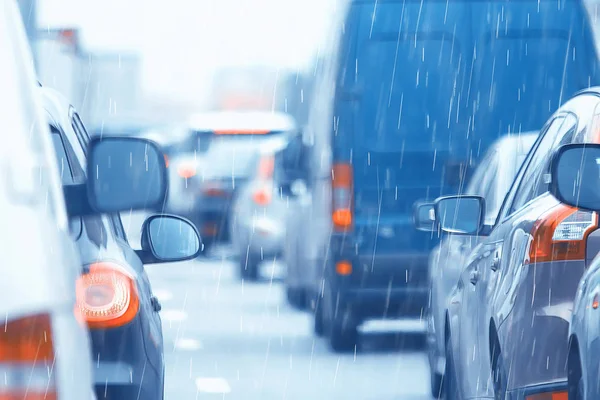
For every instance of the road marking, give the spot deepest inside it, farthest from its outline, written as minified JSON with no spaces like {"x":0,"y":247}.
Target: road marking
{"x":212,"y":385}
{"x":174,"y":315}
{"x":163,"y":295}
{"x":188,"y":344}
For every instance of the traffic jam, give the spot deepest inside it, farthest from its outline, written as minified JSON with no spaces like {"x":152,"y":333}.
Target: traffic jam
{"x":413,"y":214}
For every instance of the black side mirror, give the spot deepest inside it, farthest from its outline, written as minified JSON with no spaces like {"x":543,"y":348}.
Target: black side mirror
{"x":168,"y":238}
{"x":462,"y":215}
{"x":123,"y":174}
{"x":424,"y":216}
{"x":575,"y":176}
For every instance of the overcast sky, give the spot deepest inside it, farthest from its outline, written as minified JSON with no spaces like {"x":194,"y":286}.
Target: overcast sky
{"x":183,"y":40}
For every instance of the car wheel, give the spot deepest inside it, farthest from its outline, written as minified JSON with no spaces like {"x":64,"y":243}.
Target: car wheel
{"x":499,"y":378}
{"x":248,"y":268}
{"x":450,"y":386}
{"x":341,"y":326}
{"x":296,"y":297}
{"x":575,"y":378}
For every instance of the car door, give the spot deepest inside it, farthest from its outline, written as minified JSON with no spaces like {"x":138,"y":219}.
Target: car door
{"x":152,"y":323}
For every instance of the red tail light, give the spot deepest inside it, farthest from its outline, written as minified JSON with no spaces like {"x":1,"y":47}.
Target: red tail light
{"x":186,"y":171}
{"x":27,"y":359}
{"x":341,"y":181}
{"x":214,"y":192}
{"x":262,"y":196}
{"x":561,"y":235}
{"x":107,"y":296}
{"x":266,"y":167}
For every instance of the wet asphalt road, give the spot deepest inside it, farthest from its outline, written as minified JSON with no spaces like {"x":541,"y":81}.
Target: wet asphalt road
{"x":225,"y":339}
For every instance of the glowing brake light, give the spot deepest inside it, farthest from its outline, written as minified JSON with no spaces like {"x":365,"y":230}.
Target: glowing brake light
{"x":262,"y":196}
{"x":186,"y":171}
{"x":27,"y":359}
{"x":549,"y":396}
{"x":107,"y":296}
{"x":341,"y":181}
{"x":561,"y":235}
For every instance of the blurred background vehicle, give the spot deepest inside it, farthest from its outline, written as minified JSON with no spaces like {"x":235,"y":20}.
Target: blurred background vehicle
{"x":509,"y":314}
{"x":260,"y":209}
{"x":45,"y":349}
{"x":115,"y":295}
{"x":215,"y":161}
{"x":492,"y":180}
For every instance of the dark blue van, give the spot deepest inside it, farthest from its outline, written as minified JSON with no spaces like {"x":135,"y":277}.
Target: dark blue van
{"x":411,"y":94}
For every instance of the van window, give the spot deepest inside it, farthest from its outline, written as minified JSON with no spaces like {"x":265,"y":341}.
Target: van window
{"x":522,"y":79}
{"x":407,"y":98}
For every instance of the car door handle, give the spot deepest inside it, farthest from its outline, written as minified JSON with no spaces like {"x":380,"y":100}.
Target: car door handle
{"x":155,"y":304}
{"x":495,"y":263}
{"x":474,"y":277}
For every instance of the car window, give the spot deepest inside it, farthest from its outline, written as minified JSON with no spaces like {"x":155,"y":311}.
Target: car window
{"x":64,"y":168}
{"x":489,"y":188}
{"x":66,"y":172}
{"x":532,"y":184}
{"x":84,"y":138}
{"x":475,"y":187}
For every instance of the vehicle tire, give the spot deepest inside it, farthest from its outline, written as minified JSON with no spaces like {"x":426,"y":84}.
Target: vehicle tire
{"x":341,"y":326}
{"x":575,"y":385}
{"x":296,"y":297}
{"x":319,"y":325}
{"x":500,"y":378}
{"x":248,"y":267}
{"x":450,"y":385}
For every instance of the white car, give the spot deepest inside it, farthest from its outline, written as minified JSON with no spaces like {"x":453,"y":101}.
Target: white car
{"x":45,"y":348}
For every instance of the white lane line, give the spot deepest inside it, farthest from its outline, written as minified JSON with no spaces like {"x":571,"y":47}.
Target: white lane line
{"x":212,"y":385}
{"x":163,"y":295}
{"x":173,"y":315}
{"x":188,"y":344}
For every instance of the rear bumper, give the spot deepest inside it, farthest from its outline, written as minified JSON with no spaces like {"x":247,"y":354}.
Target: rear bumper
{"x":382,"y":284}
{"x":259,"y":236}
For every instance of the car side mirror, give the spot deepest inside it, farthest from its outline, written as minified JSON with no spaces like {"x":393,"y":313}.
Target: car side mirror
{"x":462,"y":215}
{"x":424,"y":216}
{"x":123,"y":174}
{"x":168,"y":238}
{"x":575,"y":176}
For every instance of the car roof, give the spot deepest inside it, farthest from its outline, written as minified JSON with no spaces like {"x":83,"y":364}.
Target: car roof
{"x":242,"y":120}
{"x":522,"y":142}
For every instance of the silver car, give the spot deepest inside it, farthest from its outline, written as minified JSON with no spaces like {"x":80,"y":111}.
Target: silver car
{"x":492,"y":180}
{"x":49,"y":353}
{"x":261,"y":208}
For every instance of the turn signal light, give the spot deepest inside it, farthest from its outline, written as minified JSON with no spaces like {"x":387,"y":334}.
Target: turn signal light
{"x":107,"y":296}
{"x":27,"y":359}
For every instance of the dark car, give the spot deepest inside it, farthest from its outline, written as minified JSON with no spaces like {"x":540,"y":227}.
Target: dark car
{"x":114,"y":294}
{"x":417,"y":92}
{"x":506,"y":329}
{"x":492,"y":179}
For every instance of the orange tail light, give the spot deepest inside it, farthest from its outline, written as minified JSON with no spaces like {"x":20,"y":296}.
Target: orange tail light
{"x":561,"y":235}
{"x":27,"y":359}
{"x":341,"y":180}
{"x":107,"y":296}
{"x":186,"y":171}
{"x":262,"y":196}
